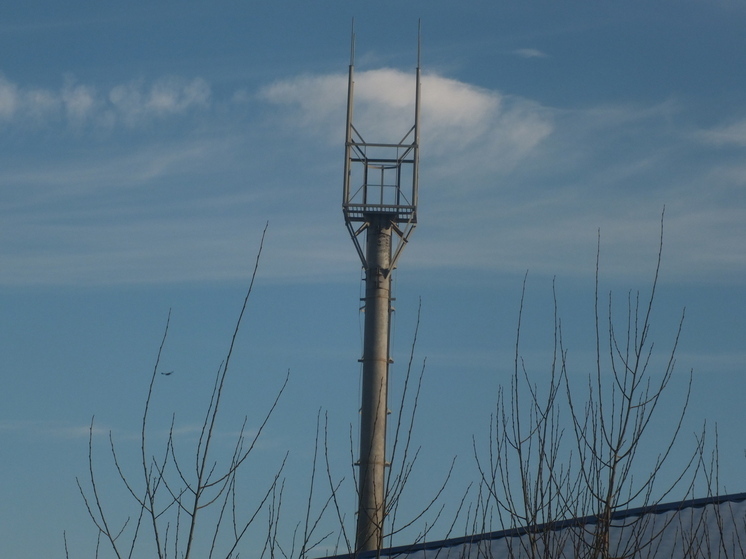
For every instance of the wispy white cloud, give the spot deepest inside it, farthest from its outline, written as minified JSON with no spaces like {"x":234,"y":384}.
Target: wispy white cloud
{"x":476,"y":128}
{"x":136,"y":101}
{"x":65,"y":430}
{"x":8,"y":98}
{"x":506,"y":184}
{"x":52,"y":429}
{"x":733,"y":134}
{"x":80,"y":101}
{"x":509,"y":184}
{"x":76,"y":103}
{"x":529,"y":53}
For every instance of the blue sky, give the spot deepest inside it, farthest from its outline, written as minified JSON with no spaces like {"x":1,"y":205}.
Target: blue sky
{"x":145,"y":146}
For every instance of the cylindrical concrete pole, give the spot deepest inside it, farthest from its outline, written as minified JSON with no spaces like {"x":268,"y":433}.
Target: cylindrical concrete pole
{"x":371,"y":511}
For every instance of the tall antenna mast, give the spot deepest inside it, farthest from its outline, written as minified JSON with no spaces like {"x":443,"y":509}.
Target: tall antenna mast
{"x":380,"y":200}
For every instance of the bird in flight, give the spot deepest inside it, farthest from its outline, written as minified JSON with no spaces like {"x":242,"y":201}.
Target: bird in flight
{"x":166,"y":374}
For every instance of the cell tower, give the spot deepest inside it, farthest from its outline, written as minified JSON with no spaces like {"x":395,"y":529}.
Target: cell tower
{"x":380,"y":199}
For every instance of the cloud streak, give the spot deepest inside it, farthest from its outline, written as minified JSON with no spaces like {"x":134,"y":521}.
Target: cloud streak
{"x":50,"y":429}
{"x":464,"y":127}
{"x":130,"y":104}
{"x":511,"y":184}
{"x":729,"y":134}
{"x":506,"y":183}
{"x":529,"y":53}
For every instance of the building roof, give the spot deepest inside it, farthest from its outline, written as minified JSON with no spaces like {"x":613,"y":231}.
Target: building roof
{"x":714,"y":527}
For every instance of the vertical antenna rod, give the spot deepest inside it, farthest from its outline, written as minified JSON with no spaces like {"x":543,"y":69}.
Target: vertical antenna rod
{"x":380,"y":198}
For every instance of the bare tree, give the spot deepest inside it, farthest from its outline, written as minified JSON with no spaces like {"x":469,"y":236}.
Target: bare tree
{"x":403,"y":458}
{"x":186,"y":501}
{"x":171,"y":496}
{"x":554,"y":456}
